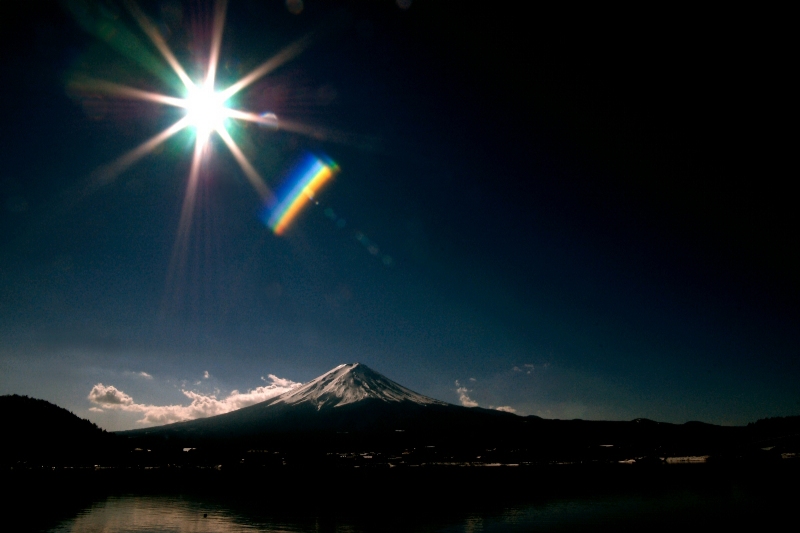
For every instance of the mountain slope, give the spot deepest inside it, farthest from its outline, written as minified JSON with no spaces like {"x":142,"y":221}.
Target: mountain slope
{"x":349,"y":399}
{"x":353,"y":407}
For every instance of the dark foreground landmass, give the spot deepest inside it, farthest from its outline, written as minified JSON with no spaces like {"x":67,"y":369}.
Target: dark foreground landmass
{"x":631,"y":476}
{"x":40,"y":435}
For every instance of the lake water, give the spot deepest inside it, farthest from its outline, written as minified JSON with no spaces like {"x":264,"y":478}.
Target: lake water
{"x":728,"y":505}
{"x":323,"y":506}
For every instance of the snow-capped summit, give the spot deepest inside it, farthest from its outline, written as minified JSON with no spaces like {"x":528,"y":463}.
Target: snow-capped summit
{"x":352,"y":401}
{"x":350,"y":383}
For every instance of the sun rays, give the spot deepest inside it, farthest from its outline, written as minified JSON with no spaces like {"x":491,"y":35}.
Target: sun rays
{"x":205,"y":109}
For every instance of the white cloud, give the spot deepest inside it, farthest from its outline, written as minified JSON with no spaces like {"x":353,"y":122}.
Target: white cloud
{"x":201,"y":406}
{"x":465,"y":400}
{"x":506,"y":409}
{"x":109,"y":397}
{"x":528,"y":368}
{"x":281,"y":382}
{"x":205,"y":374}
{"x":143,"y":375}
{"x":473,"y":380}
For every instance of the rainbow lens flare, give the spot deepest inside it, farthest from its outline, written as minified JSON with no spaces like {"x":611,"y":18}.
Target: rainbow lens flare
{"x":304,"y":182}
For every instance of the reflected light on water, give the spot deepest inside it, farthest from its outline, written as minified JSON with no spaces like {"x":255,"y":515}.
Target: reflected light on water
{"x":151,"y":514}
{"x":648,"y":507}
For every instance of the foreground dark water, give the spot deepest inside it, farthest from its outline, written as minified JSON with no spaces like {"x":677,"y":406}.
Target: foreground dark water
{"x":617,"y":499}
{"x":180,"y":513}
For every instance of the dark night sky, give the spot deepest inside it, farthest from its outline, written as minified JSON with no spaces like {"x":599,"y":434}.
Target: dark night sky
{"x":588,"y":214}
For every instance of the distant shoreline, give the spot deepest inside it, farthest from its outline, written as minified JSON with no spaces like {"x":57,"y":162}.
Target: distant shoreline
{"x":424,"y":478}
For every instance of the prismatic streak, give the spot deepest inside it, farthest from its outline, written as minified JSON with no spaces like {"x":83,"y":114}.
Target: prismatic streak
{"x":206,"y":113}
{"x":206,"y":109}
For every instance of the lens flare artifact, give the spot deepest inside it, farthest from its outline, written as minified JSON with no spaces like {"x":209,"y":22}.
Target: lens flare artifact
{"x":311,"y":174}
{"x":207,"y":110}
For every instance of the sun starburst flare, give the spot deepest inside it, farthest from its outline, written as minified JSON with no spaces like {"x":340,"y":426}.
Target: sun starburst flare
{"x":206,"y":108}
{"x":208,"y":111}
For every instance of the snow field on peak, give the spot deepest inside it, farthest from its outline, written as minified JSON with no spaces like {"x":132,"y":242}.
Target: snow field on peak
{"x":350,"y":383}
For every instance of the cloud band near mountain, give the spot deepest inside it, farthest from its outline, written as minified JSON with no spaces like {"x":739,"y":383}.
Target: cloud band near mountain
{"x":202,"y":405}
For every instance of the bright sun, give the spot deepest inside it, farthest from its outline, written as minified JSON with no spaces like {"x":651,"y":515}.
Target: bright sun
{"x":205,"y":110}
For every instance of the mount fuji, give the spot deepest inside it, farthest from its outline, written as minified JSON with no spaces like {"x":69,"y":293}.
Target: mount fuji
{"x":348,"y":384}
{"x":350,"y":400}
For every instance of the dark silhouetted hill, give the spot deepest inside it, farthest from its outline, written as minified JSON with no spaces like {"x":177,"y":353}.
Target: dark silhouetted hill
{"x":776,"y":426}
{"x":779,"y":435}
{"x":352,"y":415}
{"x":39,"y":433}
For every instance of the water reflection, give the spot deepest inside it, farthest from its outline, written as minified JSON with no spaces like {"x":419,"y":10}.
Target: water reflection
{"x":157,"y":514}
{"x":620,"y":512}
